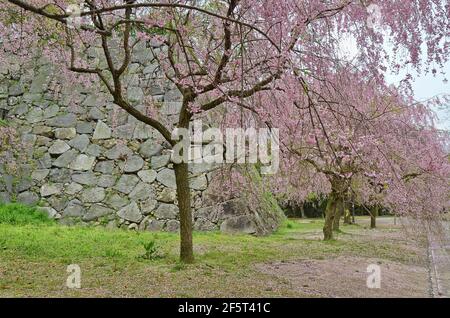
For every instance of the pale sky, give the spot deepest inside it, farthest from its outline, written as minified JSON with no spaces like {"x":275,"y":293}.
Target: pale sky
{"x":425,"y":87}
{"x":428,"y":86}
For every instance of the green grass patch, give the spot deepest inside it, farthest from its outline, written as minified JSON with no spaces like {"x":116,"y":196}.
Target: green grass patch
{"x":17,"y":214}
{"x":34,"y":254}
{"x":299,"y":226}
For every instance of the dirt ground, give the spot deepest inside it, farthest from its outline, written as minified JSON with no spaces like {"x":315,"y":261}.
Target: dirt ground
{"x":439,"y":257}
{"x":346,"y":276}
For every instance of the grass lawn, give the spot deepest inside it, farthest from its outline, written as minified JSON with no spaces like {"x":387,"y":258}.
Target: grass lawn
{"x":35,"y":253}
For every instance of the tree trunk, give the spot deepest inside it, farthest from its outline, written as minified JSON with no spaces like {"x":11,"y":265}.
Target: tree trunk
{"x":347,"y":216}
{"x":353,"y":213}
{"x":373,"y":217}
{"x":338,"y":214}
{"x":184,"y":205}
{"x":302,"y":211}
{"x":329,"y":218}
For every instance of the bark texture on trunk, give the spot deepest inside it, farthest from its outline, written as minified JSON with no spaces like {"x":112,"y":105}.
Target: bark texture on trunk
{"x":373,"y":217}
{"x":184,"y":190}
{"x":329,"y":218}
{"x":347,"y":218}
{"x":184,"y":205}
{"x":347,"y":214}
{"x":302,"y":211}
{"x":338,"y":214}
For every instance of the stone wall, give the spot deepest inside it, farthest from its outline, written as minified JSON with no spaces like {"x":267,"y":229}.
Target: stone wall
{"x":90,"y":162}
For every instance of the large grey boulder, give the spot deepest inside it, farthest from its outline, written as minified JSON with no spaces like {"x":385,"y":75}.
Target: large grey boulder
{"x":28,"y":198}
{"x":147,"y":176}
{"x":16,"y":89}
{"x":65,"y":133}
{"x":94,"y":150}
{"x":126,"y":183}
{"x":58,"y":203}
{"x":239,"y":224}
{"x":172,"y":226}
{"x":93,"y":195}
{"x":63,"y":121}
{"x":167,"y":211}
{"x":142,"y":131}
{"x":74,"y":209}
{"x":80,"y":142}
{"x":59,"y":147}
{"x":40,"y":174}
{"x":85,"y":178}
{"x":97,"y":211}
{"x":51,"y":111}
{"x":102,"y":131}
{"x":41,"y":80}
{"x":199,"y":183}
{"x":105,"y":167}
{"x":51,"y":212}
{"x":50,"y":189}
{"x":118,"y":152}
{"x":61,"y":175}
{"x":133,"y":164}
{"x":159,"y":161}
{"x":65,"y":159}
{"x":155,"y":225}
{"x":167,"y":178}
{"x":82,"y":163}
{"x":106,"y":181}
{"x":131,"y":213}
{"x":84,"y":127}
{"x":203,"y":224}
{"x":135,"y":94}
{"x":141,"y":192}
{"x":167,"y":195}
{"x":35,"y":115}
{"x":171,"y":108}
{"x":116,"y":201}
{"x":43,"y":131}
{"x":96,"y":114}
{"x":73,"y":188}
{"x":150,"y":148}
{"x":124,"y":131}
{"x":148,"y":206}
{"x":45,"y":162}
{"x":5,"y":197}
{"x":93,"y":100}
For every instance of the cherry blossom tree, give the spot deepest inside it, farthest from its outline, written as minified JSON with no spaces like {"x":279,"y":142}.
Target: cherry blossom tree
{"x":369,"y":143}
{"x":235,"y":54}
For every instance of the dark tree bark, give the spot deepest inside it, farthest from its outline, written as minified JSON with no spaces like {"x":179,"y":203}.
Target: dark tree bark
{"x":302,"y":211}
{"x":184,"y":189}
{"x":347,"y":213}
{"x":338,"y":214}
{"x":329,"y":218}
{"x":347,"y":216}
{"x":373,"y":217}
{"x":184,"y":205}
